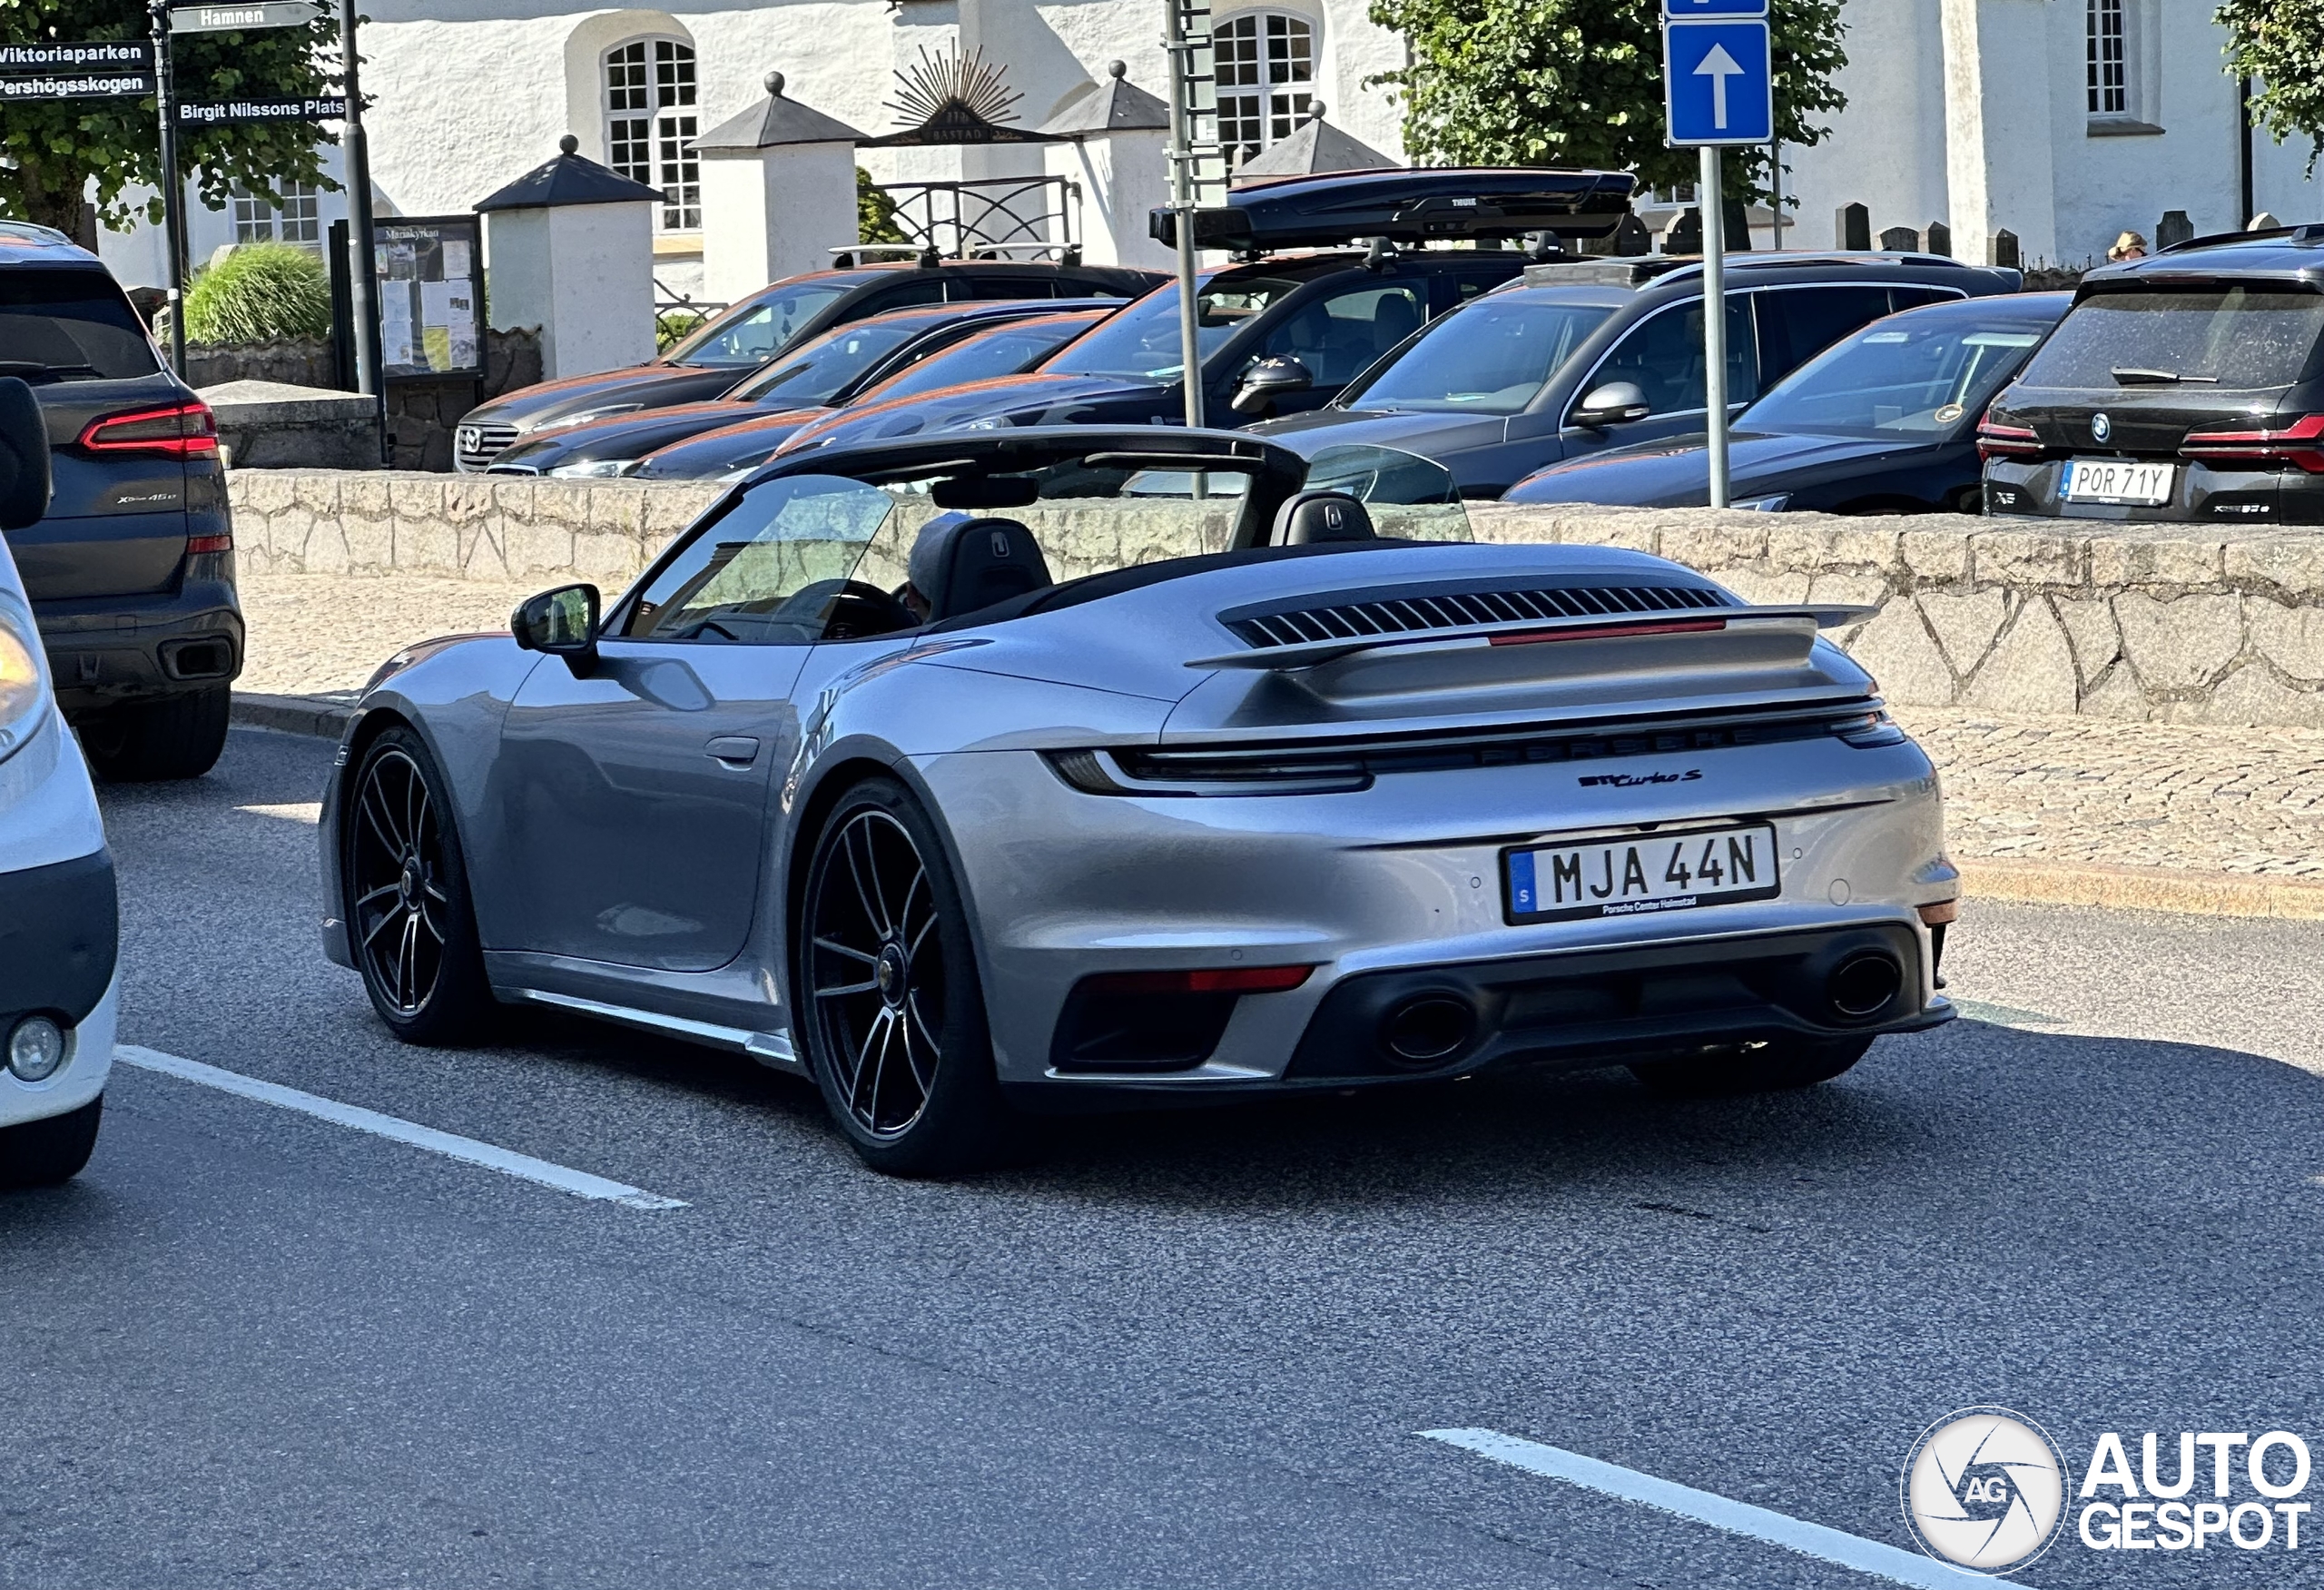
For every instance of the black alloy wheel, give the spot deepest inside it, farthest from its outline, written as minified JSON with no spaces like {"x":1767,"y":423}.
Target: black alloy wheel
{"x":888,"y":995}
{"x":408,"y":914}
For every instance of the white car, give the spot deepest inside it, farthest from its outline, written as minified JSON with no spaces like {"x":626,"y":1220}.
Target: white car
{"x":59,"y":931}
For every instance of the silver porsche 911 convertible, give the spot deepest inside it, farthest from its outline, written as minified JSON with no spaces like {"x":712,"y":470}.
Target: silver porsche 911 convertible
{"x":1032,"y":769}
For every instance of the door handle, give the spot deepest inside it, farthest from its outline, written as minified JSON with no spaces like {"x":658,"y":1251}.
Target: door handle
{"x":733,"y":750}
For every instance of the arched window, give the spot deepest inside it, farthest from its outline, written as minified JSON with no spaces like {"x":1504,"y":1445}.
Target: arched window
{"x":650,"y":124}
{"x":1266,"y":70}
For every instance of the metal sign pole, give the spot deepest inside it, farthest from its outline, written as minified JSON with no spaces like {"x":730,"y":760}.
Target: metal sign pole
{"x":1182,"y":205}
{"x":1715,"y":320}
{"x":173,"y":185}
{"x":362,"y":268}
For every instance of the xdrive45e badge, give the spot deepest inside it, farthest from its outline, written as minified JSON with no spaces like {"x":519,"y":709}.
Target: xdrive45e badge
{"x":1634,"y":780}
{"x":1984,"y":1489}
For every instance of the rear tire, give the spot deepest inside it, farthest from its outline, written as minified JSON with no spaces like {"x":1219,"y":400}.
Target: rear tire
{"x":177,"y":736}
{"x":1786,"y":1064}
{"x":405,"y":896}
{"x":886,"y":996}
{"x":48,"y":1153}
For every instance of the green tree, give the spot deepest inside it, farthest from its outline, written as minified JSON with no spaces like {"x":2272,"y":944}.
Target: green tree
{"x":1579,"y":83}
{"x":54,"y":150}
{"x":876,"y":212}
{"x":2280,"y":45}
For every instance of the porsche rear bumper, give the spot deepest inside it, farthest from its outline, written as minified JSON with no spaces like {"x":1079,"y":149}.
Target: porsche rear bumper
{"x":1393,"y":895}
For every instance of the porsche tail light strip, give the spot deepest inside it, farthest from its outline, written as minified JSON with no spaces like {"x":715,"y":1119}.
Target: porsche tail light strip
{"x":1200,"y":979}
{"x":182,"y":431}
{"x":2300,"y":443}
{"x":2007,"y":441}
{"x":1602,"y":631}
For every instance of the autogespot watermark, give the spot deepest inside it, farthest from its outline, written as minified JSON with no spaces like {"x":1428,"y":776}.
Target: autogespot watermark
{"x":1987,"y":1490}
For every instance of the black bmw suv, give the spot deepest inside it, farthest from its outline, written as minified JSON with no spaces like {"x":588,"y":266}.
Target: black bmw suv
{"x":2188,"y":386}
{"x":132,"y":572}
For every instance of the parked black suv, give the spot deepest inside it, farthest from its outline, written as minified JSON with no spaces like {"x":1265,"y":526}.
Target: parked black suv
{"x":747,"y":337}
{"x":1282,"y":332}
{"x":2187,"y":386}
{"x":132,"y":572}
{"x":1593,"y":353}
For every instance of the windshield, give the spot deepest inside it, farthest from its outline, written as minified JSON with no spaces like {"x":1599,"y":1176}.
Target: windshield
{"x":1142,"y":342}
{"x":758,"y":329}
{"x":1914,"y":375}
{"x":1488,"y":358}
{"x":1002,"y":352}
{"x":69,"y":325}
{"x":2235,"y":339}
{"x":814,"y":372}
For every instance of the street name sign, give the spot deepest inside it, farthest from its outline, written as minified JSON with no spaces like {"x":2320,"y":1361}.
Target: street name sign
{"x":1685,"y":10}
{"x":1717,"y":82}
{"x":85,"y":85}
{"x":325,"y":108}
{"x":243,"y":18}
{"x":101,"y":57}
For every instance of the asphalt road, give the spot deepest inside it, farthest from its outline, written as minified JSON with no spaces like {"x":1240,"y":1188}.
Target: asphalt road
{"x":251,"y":1347}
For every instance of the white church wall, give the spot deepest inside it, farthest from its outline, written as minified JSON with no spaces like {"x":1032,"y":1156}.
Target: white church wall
{"x":1886,"y":147}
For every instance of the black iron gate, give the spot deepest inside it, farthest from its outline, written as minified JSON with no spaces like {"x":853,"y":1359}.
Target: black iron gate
{"x":991,"y":216}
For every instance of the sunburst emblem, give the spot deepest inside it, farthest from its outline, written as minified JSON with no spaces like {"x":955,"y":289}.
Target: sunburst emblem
{"x":937,"y":89}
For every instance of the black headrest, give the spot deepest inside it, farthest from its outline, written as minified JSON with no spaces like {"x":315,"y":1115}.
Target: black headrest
{"x":1322,"y":516}
{"x":962,"y":562}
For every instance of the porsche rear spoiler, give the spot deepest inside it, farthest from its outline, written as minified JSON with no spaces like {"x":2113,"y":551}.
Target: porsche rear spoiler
{"x":1314,"y":654}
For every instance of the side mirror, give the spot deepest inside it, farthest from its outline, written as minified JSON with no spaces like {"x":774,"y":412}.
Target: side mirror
{"x":563,"y":623}
{"x":24,"y":457}
{"x":1268,"y":380}
{"x":1615,"y":404}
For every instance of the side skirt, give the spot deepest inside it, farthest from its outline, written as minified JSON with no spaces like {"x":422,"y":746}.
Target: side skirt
{"x":769,"y":1049}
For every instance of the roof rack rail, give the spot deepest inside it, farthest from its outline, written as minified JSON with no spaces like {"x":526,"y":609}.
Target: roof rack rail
{"x":2306,"y":232}
{"x":1637,"y":269}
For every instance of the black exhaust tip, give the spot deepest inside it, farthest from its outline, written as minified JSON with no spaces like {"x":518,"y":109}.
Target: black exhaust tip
{"x":1863,"y":984}
{"x":1428,"y":1029}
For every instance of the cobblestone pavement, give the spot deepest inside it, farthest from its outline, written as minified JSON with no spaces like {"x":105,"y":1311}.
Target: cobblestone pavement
{"x":2022,"y":788}
{"x":2078,"y":789}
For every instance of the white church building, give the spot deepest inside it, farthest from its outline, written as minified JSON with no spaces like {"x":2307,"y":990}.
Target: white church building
{"x":2064,"y":121}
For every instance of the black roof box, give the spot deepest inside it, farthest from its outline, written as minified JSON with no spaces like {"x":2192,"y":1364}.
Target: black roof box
{"x":1408,"y":207}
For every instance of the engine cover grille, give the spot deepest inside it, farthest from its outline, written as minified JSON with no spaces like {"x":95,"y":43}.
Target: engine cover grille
{"x":1402,"y":613}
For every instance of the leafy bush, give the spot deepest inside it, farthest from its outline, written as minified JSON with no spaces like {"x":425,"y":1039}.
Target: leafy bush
{"x":674,"y":327}
{"x":258,"y":293}
{"x":876,"y":212}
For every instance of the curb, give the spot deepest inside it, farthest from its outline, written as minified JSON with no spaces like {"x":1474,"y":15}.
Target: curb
{"x":324,"y":717}
{"x":2117,"y":888}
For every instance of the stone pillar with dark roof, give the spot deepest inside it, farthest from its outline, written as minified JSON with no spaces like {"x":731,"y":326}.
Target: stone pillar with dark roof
{"x":1115,"y":136}
{"x":778,"y":195}
{"x":569,"y":247}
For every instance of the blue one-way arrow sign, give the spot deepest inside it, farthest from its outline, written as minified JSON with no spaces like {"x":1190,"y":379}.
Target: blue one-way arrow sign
{"x":1717,"y":82}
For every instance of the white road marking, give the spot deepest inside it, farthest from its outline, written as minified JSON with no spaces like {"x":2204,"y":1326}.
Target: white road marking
{"x":308,"y":812}
{"x":1815,"y":1540}
{"x":1977,"y":1010}
{"x":468,"y":1150}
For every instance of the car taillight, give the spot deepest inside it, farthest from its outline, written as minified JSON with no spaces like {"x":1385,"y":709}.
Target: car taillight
{"x":1201,"y":980}
{"x":182,"y":431}
{"x":2007,"y":441}
{"x":225,"y":543}
{"x":2301,"y":443}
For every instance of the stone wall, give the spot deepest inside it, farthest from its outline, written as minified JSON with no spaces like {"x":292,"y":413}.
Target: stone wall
{"x":2182,"y":623}
{"x":421,"y":414}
